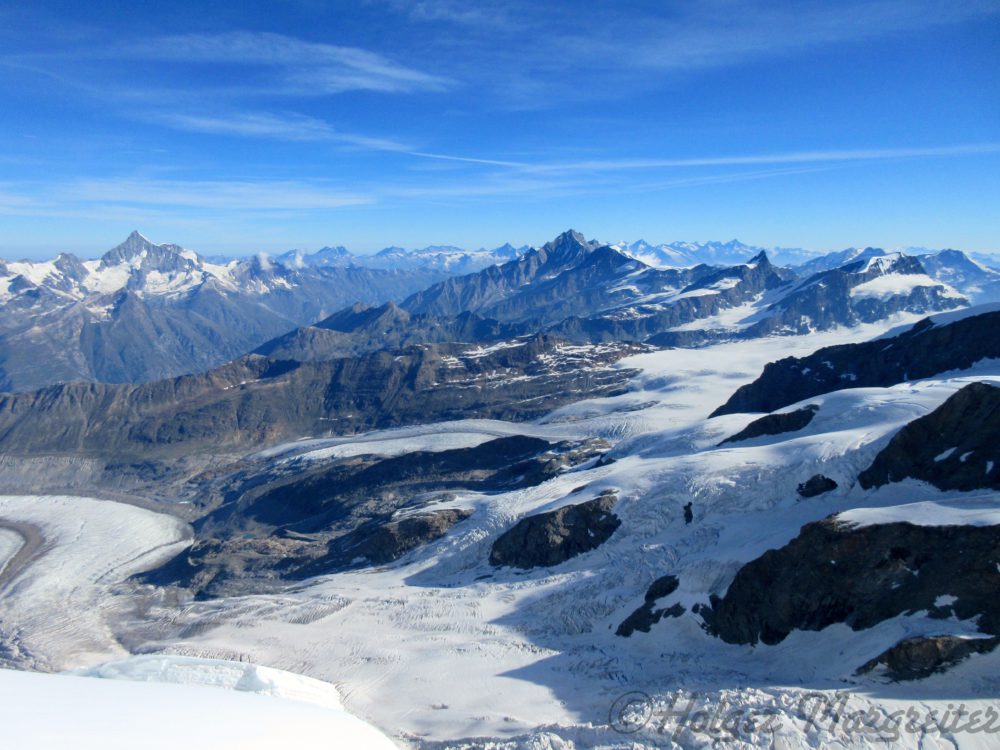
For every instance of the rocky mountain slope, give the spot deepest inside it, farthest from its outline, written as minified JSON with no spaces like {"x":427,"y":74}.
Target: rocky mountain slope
{"x":955,"y":447}
{"x":145,"y":311}
{"x":932,"y":346}
{"x":255,"y":401}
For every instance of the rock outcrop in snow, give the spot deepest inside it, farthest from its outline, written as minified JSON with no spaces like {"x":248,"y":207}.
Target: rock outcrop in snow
{"x":955,"y":447}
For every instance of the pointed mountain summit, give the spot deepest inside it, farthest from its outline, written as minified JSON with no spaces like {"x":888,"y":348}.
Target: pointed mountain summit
{"x":478,"y":292}
{"x":138,"y":250}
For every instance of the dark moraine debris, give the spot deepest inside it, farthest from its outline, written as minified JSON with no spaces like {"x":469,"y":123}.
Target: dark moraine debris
{"x":551,"y":538}
{"x":816,"y":485}
{"x":835,"y":572}
{"x":916,"y":658}
{"x":390,"y":541}
{"x":954,"y":447}
{"x":648,"y":615}
{"x":775,"y":424}
{"x":302,"y":519}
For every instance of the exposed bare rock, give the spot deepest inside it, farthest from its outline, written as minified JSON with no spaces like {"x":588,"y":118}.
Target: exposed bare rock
{"x":835,"y":572}
{"x":955,"y":447}
{"x":390,"y":541}
{"x":816,"y":485}
{"x":924,"y":350}
{"x":916,"y":658}
{"x":255,"y":400}
{"x":551,"y":538}
{"x":775,"y":424}
{"x":648,"y":615}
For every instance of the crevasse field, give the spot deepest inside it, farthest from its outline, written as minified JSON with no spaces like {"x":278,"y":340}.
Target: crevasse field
{"x":442,"y":650}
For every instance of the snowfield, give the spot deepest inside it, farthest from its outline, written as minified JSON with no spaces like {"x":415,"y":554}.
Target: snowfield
{"x":178,"y":704}
{"x":442,"y":650}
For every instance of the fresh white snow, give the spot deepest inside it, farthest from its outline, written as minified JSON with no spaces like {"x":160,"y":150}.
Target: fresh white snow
{"x":893,"y":284}
{"x":983,"y":511}
{"x":63,"y":711}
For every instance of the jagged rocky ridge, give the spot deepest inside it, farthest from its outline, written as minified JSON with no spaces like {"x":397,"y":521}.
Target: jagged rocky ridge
{"x":926,"y":349}
{"x":955,"y":447}
{"x":585,"y":292}
{"x":146,"y":311}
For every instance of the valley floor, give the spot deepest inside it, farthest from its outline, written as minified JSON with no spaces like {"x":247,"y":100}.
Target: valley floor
{"x":441,"y":648}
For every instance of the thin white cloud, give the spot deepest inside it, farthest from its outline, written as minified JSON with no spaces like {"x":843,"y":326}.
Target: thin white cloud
{"x":796,"y":157}
{"x":554,"y":52}
{"x":299,"y":67}
{"x":281,"y":127}
{"x":207,"y":194}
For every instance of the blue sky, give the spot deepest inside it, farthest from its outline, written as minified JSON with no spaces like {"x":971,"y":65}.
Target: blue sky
{"x":237,"y":128}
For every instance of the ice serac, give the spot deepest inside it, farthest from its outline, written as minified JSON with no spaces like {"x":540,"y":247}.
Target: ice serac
{"x":926,"y":349}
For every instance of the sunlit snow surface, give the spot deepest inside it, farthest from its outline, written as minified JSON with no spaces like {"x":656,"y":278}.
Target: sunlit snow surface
{"x":440,"y":646}
{"x":178,"y":705}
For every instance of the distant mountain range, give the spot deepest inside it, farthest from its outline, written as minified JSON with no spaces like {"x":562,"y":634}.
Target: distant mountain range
{"x":145,"y":311}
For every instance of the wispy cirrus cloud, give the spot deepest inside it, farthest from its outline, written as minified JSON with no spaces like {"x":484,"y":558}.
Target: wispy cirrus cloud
{"x":295,"y":67}
{"x":214,"y":194}
{"x":553,"y":52}
{"x":794,"y":157}
{"x":287,"y":127}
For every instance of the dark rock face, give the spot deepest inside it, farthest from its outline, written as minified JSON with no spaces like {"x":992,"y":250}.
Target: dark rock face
{"x":310,"y":502}
{"x":648,"y":615}
{"x":362,"y":329}
{"x":775,"y":424}
{"x":955,"y":447}
{"x":923,"y":351}
{"x":816,"y":485}
{"x":826,"y":299}
{"x":392,"y":540}
{"x":255,"y":400}
{"x":916,"y":658}
{"x":832,"y":572}
{"x":551,"y":538}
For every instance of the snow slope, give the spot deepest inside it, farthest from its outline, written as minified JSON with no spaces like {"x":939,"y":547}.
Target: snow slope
{"x":61,"y":711}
